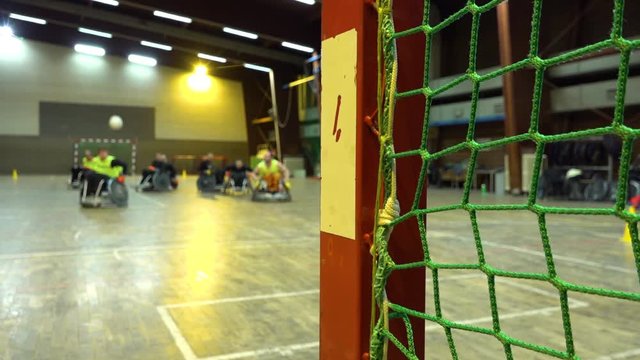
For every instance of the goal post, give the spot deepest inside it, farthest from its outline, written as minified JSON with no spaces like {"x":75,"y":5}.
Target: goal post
{"x":350,"y":153}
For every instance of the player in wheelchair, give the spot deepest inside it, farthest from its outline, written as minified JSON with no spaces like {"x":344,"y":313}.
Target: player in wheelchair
{"x":103,"y":182}
{"x":236,"y":179}
{"x":271,"y":180}
{"x":159,"y":176}
{"x":77,"y":172}
{"x":210,"y":179}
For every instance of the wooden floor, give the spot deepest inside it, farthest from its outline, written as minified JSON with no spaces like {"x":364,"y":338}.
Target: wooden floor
{"x":587,"y":251}
{"x":181,"y":276}
{"x":173,"y":276}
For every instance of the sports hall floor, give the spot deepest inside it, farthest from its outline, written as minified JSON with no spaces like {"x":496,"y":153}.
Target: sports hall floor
{"x":181,"y":276}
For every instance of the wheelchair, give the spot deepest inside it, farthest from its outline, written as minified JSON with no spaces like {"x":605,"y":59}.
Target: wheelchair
{"x":210,"y":181}
{"x":262,"y":193}
{"x":237,"y":186}
{"x":159,"y":180}
{"x":110,"y":192}
{"x":75,"y":179}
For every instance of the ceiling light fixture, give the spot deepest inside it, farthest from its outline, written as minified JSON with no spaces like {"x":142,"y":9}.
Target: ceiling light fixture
{"x":199,"y":81}
{"x":257,"y":67}
{"x":171,"y":16}
{"x":212,"y":58}
{"x":6,"y":32}
{"x":298,"y":47}
{"x":95,"y":33}
{"x":142,"y":60}
{"x":89,"y":50}
{"x":28,"y":19}
{"x":237,"y":32}
{"x":156,"y":45}
{"x":108,"y":2}
{"x":308,"y":2}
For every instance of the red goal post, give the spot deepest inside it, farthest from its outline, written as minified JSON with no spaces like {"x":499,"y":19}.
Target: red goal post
{"x":349,"y":171}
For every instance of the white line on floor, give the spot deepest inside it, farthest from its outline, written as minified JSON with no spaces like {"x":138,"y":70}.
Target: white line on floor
{"x":242,"y":299}
{"x":279,"y":350}
{"x":542,"y":311}
{"x":148,"y":248}
{"x":457,"y":277}
{"x":559,"y":257}
{"x":573,"y":304}
{"x":512,"y":283}
{"x":149,"y":199}
{"x":539,"y":254}
{"x":538,"y":291}
{"x":92,"y":294}
{"x":180,"y":341}
{"x":621,"y":355}
{"x":188,"y":353}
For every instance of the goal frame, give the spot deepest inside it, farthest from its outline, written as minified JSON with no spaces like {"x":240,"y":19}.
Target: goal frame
{"x":346,"y":264}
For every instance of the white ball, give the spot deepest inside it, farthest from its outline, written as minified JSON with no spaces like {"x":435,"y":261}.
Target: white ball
{"x":115,"y":122}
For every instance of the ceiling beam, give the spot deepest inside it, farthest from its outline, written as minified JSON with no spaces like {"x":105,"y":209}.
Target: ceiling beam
{"x":162,"y":29}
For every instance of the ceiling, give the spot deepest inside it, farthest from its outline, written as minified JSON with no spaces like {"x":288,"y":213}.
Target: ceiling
{"x":131,"y":22}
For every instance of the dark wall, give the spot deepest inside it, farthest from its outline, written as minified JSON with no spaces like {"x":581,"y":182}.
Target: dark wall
{"x":64,"y":120}
{"x":47,"y":155}
{"x":63,"y":124}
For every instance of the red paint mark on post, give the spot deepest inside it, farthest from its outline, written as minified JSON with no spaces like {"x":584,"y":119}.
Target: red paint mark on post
{"x":337,"y":132}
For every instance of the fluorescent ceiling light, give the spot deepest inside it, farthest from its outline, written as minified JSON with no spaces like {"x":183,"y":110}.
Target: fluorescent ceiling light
{"x":6,"y":32}
{"x":89,"y":50}
{"x":28,"y":18}
{"x":212,"y":58}
{"x":308,"y":2}
{"x":108,"y":2}
{"x":156,"y":45}
{"x":142,"y":60}
{"x":257,"y":67}
{"x":240,"y":33}
{"x":297,"y":47}
{"x":171,"y":16}
{"x":95,"y":32}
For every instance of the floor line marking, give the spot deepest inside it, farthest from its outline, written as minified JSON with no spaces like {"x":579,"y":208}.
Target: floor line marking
{"x":458,"y":277}
{"x":538,"y":291}
{"x":573,"y":304}
{"x":540,"y":311}
{"x":242,"y":299}
{"x":175,"y":332}
{"x":621,"y":355}
{"x":280,"y":350}
{"x":560,"y":257}
{"x":541,"y":254}
{"x":512,"y":283}
{"x":146,"y":248}
{"x":187,"y":351}
{"x":149,"y":199}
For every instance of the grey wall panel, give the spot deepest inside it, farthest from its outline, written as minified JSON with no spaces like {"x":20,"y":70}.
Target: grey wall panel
{"x":86,"y":120}
{"x":43,"y":155}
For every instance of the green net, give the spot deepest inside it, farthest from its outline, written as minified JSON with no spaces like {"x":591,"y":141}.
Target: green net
{"x":390,"y":215}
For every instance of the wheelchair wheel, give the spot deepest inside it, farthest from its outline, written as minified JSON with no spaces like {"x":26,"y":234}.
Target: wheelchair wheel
{"x":633,"y":189}
{"x":596,"y":190}
{"x":206,"y":183}
{"x":118,"y":194}
{"x":88,"y":201}
{"x":161,"y":181}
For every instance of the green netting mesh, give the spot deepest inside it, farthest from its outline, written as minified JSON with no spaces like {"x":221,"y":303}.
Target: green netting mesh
{"x":389,"y":214}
